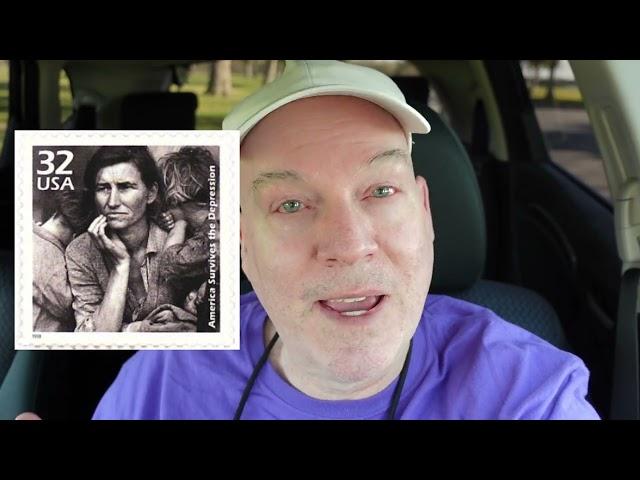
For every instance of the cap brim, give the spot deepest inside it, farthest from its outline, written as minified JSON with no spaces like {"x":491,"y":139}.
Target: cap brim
{"x":409,"y":118}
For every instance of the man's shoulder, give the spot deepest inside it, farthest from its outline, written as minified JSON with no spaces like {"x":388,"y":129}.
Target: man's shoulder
{"x":157,"y":384}
{"x":449,"y":318}
{"x":250,"y":307}
{"x":452,"y":323}
{"x":130,"y":396}
{"x":184,"y":383}
{"x":492,"y":359}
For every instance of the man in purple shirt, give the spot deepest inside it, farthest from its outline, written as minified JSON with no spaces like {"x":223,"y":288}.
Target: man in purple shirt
{"x":337,"y":241}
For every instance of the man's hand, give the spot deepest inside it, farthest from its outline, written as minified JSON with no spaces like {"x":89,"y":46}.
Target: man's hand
{"x":28,"y":416}
{"x":110,"y":244}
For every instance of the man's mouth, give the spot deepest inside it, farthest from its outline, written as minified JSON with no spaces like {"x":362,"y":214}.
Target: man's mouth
{"x":352,"y":306}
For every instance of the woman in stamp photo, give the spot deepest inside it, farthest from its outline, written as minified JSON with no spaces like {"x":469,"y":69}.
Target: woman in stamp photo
{"x":114,"y":267}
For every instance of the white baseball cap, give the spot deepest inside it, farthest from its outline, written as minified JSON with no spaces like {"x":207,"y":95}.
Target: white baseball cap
{"x":312,"y":78}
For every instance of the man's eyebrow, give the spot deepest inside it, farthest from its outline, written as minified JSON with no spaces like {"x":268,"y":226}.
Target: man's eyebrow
{"x":396,"y":152}
{"x":265,"y":178}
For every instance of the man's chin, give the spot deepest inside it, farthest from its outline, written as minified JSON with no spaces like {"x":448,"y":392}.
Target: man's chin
{"x":361,"y":364}
{"x":362,"y":378}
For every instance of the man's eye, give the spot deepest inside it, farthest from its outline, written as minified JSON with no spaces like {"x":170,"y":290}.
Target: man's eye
{"x":384,"y":191}
{"x":101,"y":188}
{"x":291,"y":206}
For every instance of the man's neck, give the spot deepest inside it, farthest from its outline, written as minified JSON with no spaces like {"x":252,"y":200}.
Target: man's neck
{"x":317,"y":383}
{"x":135,"y":236}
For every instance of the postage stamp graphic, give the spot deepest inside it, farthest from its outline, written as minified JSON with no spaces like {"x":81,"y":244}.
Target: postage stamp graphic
{"x":127,"y":240}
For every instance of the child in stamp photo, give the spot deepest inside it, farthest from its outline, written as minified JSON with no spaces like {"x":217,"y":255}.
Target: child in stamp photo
{"x":185,"y":263}
{"x":65,"y":218}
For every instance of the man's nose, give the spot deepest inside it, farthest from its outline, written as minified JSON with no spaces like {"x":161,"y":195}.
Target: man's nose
{"x":345,"y":237}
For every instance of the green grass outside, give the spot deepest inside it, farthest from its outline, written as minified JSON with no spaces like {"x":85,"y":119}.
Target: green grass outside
{"x":211,"y":108}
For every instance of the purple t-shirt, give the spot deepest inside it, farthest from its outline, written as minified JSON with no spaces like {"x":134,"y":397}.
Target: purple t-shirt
{"x":466,"y":363}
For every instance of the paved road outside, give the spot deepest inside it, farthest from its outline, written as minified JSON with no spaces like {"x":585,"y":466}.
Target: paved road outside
{"x":572,"y":144}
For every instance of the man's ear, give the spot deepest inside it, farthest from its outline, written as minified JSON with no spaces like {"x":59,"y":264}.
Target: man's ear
{"x":242,"y":244}
{"x":424,"y":192}
{"x":152,"y":194}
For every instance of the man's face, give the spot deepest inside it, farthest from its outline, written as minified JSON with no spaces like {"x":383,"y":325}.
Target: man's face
{"x":122,"y":196}
{"x":336,"y":232}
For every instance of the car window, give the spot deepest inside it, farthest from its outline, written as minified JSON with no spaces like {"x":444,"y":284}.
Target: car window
{"x":4,"y":97}
{"x":66,"y":99}
{"x":402,"y":72}
{"x":564,"y":122}
{"x":221,"y":84}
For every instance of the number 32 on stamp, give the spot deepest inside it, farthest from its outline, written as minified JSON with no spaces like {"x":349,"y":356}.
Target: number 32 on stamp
{"x":51,"y":178}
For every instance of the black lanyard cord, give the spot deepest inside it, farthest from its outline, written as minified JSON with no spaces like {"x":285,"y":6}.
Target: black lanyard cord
{"x":263,"y":359}
{"x":254,"y":375}
{"x":395,"y":400}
